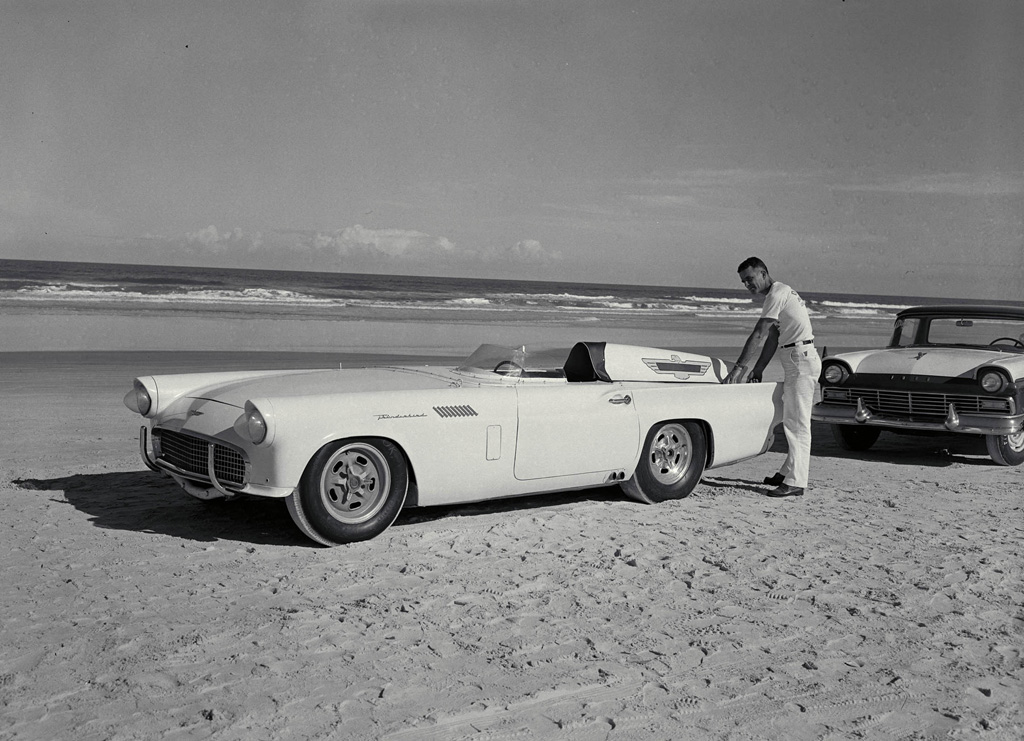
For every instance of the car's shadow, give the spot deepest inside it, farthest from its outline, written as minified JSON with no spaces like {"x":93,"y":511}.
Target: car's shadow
{"x":511,"y":504}
{"x":143,"y":501}
{"x":936,"y":450}
{"x":933,"y":451}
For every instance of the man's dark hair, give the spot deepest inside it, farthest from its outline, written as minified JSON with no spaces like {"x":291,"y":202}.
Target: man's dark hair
{"x":752,"y":262}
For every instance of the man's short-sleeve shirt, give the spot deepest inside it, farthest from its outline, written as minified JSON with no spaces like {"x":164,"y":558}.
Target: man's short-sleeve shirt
{"x":784,"y":305}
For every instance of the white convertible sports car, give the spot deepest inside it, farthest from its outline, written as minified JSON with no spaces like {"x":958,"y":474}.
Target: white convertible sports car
{"x":946,"y":369}
{"x":348,"y":449}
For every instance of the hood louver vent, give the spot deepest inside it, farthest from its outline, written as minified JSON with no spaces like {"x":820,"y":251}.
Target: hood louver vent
{"x":457,"y":411}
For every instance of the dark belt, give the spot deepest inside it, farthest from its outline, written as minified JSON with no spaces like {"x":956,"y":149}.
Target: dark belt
{"x":802,"y":342}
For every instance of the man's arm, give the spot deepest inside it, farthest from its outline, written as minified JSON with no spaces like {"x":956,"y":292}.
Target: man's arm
{"x":752,"y":349}
{"x":767,"y":353}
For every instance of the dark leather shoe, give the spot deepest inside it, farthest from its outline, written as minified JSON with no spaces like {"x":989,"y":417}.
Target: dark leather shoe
{"x":775,"y":479}
{"x":786,"y":491}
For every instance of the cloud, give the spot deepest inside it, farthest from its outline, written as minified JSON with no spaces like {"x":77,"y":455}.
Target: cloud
{"x":523,"y":253}
{"x":211,"y":239}
{"x":354,"y":248}
{"x":390,"y":242}
{"x":528,"y":250}
{"x":351,"y":241}
{"x":405,"y":245}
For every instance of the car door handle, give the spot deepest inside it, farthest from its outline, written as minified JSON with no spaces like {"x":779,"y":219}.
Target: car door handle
{"x":627,"y":399}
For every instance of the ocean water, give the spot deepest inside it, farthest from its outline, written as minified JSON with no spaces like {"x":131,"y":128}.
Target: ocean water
{"x":76,"y":284}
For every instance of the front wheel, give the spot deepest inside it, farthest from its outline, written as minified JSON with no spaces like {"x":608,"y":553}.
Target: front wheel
{"x":351,"y":490}
{"x":1006,"y":450}
{"x":671,"y":463}
{"x":849,"y":437}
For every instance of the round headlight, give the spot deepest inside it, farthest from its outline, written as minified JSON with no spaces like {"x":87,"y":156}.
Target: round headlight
{"x":993,"y":381}
{"x":138,"y":399}
{"x":835,"y":373}
{"x":255,"y":425}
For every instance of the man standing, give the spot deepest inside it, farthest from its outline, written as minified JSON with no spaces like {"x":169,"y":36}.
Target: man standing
{"x":784,"y":323}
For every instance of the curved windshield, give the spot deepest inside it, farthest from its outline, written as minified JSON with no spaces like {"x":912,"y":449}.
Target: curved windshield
{"x":515,"y":361}
{"x":995,"y":333}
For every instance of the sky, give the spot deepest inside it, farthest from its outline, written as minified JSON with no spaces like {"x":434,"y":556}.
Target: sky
{"x":857,"y":146}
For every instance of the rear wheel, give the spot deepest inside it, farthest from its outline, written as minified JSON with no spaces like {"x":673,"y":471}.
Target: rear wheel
{"x":671,"y":463}
{"x":351,"y":490}
{"x":849,"y":437}
{"x":1006,"y":450}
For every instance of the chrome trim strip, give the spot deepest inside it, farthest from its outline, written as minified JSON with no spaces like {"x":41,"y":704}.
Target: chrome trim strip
{"x":176,"y":473}
{"x":171,"y":469}
{"x":144,"y":449}
{"x":211,"y":451}
{"x":968,"y":423}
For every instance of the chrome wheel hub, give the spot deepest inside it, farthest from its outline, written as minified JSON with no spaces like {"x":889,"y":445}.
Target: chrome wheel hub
{"x":670,"y":454}
{"x":355,"y":483}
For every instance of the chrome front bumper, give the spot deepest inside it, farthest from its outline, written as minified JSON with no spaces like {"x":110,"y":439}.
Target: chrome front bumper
{"x":974,"y":424}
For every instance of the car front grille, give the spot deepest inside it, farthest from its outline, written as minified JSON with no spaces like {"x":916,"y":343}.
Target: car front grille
{"x":914,"y":403}
{"x":191,"y":454}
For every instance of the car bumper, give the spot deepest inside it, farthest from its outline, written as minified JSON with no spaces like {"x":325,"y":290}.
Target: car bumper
{"x":973,"y":424}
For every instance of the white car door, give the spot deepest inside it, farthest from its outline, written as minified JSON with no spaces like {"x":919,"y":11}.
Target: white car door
{"x":575,"y":429}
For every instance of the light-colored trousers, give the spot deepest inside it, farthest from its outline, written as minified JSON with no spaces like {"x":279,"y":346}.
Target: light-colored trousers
{"x":802,"y":366}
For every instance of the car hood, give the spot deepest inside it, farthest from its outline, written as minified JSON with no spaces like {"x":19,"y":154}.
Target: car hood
{"x":323,"y":382}
{"x":947,"y":362}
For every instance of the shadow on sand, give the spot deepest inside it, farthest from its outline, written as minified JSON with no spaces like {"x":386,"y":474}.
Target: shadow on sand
{"x":928,"y":451}
{"x":936,"y":450}
{"x":143,"y":501}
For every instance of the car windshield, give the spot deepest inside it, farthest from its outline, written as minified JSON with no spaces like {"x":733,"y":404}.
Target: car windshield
{"x":516,"y":361}
{"x":994,"y":333}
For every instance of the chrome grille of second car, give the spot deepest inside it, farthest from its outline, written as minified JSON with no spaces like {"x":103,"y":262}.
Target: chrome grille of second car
{"x":190,"y":454}
{"x":914,"y":403}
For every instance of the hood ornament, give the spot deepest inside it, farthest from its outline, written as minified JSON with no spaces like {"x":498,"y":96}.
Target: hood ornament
{"x":920,"y":355}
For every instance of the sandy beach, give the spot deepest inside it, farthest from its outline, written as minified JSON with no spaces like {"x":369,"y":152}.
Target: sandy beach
{"x":885,"y":604}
